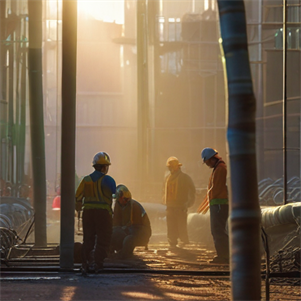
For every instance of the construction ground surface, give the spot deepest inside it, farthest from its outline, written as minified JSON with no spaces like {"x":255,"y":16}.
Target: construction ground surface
{"x":153,"y":274}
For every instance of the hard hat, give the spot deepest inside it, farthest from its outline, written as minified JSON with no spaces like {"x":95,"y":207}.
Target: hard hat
{"x":101,"y":158}
{"x":208,"y":153}
{"x":56,"y":203}
{"x":173,"y":161}
{"x":122,"y":191}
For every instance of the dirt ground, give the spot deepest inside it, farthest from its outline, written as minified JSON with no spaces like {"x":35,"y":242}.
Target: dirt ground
{"x":125,"y":279}
{"x":68,"y":287}
{"x":153,"y":274}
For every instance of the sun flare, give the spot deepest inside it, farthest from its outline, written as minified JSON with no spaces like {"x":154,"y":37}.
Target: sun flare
{"x":103,"y":10}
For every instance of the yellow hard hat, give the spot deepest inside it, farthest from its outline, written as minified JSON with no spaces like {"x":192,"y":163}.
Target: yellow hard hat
{"x":123,"y":191}
{"x":173,"y":161}
{"x":101,"y":158}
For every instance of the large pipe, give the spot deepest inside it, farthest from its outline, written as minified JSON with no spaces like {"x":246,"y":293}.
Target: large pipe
{"x":16,"y":219}
{"x":281,"y":215}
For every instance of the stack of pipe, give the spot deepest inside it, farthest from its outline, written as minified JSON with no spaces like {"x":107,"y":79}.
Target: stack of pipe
{"x":16,"y":220}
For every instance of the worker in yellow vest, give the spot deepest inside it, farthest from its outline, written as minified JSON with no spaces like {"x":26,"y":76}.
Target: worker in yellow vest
{"x":94,"y":196}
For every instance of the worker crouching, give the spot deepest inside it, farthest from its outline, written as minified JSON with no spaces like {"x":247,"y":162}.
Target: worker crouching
{"x":131,"y":225}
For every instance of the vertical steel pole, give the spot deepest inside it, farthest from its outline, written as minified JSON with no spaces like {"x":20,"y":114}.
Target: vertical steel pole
{"x":11,"y":73}
{"x":68,"y":133}
{"x":259,"y":96}
{"x":37,"y":119}
{"x":22,"y":132}
{"x":142,"y":83}
{"x":245,"y":215}
{"x":3,"y":101}
{"x":284,"y":102}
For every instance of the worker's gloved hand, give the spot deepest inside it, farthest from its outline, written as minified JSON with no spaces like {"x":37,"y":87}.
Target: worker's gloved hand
{"x":78,"y":206}
{"x":204,"y":206}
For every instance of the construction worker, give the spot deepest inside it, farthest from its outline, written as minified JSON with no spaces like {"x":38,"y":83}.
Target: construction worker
{"x":131,"y":225}
{"x":94,"y":195}
{"x":179,"y":195}
{"x":216,"y":201}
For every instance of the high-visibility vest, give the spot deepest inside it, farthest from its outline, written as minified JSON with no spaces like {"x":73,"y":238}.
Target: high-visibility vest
{"x":93,"y":193}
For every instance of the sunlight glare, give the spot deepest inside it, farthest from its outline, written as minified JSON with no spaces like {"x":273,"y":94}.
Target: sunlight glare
{"x":103,"y":10}
{"x":68,"y":293}
{"x":142,"y":296}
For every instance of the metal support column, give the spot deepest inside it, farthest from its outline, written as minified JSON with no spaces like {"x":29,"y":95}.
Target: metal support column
{"x":68,"y":133}
{"x":37,"y":119}
{"x":142,"y":83}
{"x":284,"y":112}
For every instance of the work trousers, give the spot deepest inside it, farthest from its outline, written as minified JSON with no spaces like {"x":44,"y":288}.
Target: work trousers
{"x":218,"y":222}
{"x":176,"y":219}
{"x":97,"y":232}
{"x":125,"y":239}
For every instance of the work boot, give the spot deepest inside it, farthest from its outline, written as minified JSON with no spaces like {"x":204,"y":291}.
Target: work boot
{"x":219,"y":260}
{"x":98,"y":268}
{"x":84,"y":270}
{"x":173,"y":247}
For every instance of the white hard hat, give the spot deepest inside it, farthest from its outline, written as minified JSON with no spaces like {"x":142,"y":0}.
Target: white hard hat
{"x":208,"y":153}
{"x":101,"y":158}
